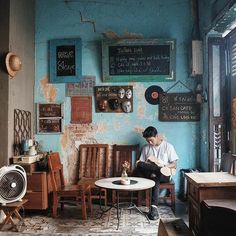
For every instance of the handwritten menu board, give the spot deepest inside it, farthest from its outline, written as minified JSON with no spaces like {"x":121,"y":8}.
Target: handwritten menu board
{"x":138,"y":60}
{"x":179,"y":107}
{"x":65,"y":60}
{"x":49,"y":118}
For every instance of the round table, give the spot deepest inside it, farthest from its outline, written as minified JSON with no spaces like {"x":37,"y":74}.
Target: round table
{"x":136,"y":184}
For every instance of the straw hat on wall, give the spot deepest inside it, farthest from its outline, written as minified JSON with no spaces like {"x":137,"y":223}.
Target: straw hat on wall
{"x":13,"y":64}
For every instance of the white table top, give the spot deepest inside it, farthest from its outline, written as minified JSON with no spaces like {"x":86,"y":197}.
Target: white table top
{"x":212,"y":178}
{"x":135,"y":185}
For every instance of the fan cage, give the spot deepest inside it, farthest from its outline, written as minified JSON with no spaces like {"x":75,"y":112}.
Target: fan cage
{"x":12,"y":185}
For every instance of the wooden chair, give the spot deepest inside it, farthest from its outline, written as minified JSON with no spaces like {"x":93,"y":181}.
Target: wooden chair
{"x":93,"y":165}
{"x":79,"y":193}
{"x":122,"y":153}
{"x":170,"y":186}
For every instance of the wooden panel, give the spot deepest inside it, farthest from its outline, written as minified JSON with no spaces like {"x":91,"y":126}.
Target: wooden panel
{"x":38,"y":188}
{"x":193,"y":192}
{"x":36,"y":200}
{"x":37,"y":181}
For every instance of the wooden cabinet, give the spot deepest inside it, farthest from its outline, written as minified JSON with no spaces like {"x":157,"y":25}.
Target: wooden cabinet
{"x":207,"y":185}
{"x":38,"y":189}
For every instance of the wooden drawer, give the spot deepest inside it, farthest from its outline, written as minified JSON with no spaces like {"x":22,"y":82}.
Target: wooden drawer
{"x":37,"y":181}
{"x":36,"y":200}
{"x":193,"y":192}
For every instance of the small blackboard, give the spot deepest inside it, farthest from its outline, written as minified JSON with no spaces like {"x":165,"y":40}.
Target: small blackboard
{"x":65,"y":64}
{"x":138,"y":60}
{"x":179,"y":107}
{"x":65,"y":60}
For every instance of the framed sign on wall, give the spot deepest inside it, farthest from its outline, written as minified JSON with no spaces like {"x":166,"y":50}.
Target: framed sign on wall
{"x":138,"y":60}
{"x":179,"y":107}
{"x":50,"y":118}
{"x":65,"y":60}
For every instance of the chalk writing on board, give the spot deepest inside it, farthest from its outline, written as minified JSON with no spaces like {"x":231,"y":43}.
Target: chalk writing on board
{"x":65,"y":56}
{"x":179,"y":107}
{"x":65,"y":64}
{"x":139,"y":60}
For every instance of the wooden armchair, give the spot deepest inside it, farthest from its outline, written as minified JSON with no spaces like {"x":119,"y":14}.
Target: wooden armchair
{"x":79,"y":193}
{"x":93,"y":165}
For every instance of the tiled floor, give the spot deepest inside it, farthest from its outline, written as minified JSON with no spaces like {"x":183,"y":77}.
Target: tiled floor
{"x":70,"y":223}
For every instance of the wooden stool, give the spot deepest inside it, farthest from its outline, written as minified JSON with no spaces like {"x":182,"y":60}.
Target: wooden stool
{"x":10,"y":210}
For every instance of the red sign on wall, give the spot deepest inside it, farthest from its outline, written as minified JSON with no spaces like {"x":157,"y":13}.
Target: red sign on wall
{"x":81,"y":110}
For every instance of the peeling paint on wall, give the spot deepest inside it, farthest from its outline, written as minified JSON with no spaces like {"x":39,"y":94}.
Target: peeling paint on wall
{"x":48,"y":90}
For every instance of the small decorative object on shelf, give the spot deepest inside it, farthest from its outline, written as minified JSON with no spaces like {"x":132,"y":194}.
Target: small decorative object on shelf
{"x":124,"y":176}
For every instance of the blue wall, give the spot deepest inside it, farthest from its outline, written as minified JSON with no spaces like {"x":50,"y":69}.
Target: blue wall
{"x":148,"y":19}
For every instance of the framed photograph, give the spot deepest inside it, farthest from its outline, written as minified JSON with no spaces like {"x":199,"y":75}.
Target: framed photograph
{"x":65,"y":60}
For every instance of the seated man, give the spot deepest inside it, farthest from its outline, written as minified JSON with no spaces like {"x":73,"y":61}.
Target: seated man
{"x":157,"y":161}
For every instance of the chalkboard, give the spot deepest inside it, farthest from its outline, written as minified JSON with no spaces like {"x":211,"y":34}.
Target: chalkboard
{"x":179,"y":107}
{"x":50,"y":118}
{"x":65,"y":60}
{"x":65,"y":64}
{"x":138,"y":60}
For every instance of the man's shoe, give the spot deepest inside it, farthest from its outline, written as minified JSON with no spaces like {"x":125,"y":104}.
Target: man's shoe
{"x":153,"y":213}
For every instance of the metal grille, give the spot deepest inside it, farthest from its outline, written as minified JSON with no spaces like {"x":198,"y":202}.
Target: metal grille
{"x":11,"y":185}
{"x":22,"y":129}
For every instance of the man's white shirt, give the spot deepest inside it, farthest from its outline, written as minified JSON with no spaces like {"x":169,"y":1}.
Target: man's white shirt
{"x":165,"y":152}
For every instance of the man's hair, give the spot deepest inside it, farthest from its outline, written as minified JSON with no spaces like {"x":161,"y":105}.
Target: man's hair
{"x":150,"y":132}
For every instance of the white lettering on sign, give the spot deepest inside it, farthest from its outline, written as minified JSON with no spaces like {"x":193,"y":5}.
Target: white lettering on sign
{"x":62,"y":66}
{"x":65,"y":54}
